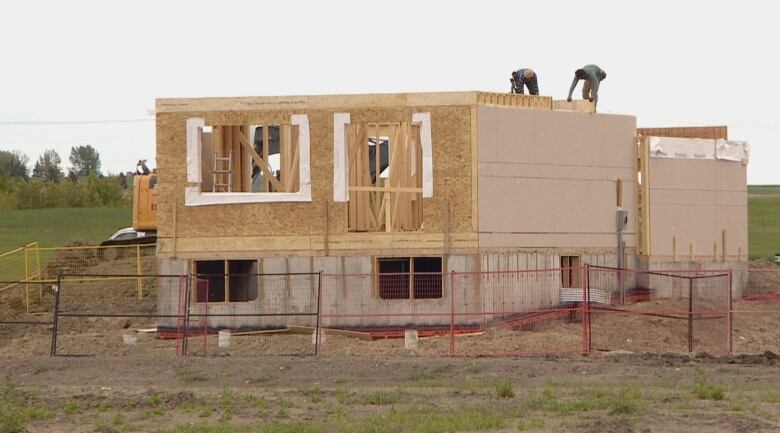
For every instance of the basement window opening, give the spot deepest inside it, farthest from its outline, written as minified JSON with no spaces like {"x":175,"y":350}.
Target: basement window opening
{"x":409,"y":277}
{"x":570,"y":272}
{"x":226,"y":280}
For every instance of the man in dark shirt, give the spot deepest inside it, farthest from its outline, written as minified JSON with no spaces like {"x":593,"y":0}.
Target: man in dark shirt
{"x":524,"y":77}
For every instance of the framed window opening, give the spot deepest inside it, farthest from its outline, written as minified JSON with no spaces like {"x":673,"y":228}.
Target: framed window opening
{"x":409,"y":277}
{"x":385,"y":166}
{"x":267,"y":162}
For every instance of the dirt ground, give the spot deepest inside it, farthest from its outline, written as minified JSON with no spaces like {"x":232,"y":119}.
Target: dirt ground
{"x":602,"y":393}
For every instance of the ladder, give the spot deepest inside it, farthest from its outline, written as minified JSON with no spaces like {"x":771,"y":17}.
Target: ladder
{"x":218,"y":169}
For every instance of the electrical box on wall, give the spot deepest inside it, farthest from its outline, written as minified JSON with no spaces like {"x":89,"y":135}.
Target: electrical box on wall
{"x":622,"y":219}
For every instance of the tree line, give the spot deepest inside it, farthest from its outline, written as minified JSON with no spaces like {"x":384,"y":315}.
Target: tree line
{"x":48,"y":185}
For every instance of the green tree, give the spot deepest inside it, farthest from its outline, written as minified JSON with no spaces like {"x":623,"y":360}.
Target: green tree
{"x":13,"y":164}
{"x":85,"y":160}
{"x":48,"y":167}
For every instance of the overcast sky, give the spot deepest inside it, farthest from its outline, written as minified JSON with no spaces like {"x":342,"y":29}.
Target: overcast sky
{"x":669,"y":63}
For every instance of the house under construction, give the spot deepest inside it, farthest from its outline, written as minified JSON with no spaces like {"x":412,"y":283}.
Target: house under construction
{"x":430,"y":183}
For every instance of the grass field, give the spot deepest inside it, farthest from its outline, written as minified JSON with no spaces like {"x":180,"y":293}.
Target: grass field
{"x":619,"y":394}
{"x":54,"y":227}
{"x":763,"y":220}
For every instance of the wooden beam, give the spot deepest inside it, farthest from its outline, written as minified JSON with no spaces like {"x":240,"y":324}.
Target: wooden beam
{"x":266,"y":145}
{"x":387,"y":189}
{"x":263,"y":165}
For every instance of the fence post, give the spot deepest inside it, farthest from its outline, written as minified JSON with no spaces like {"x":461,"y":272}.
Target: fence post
{"x":319,"y":312}
{"x":690,"y":314}
{"x":26,"y":279}
{"x":140,"y":281}
{"x":55,"y":317}
{"x":186,"y":334}
{"x":729,"y":323}
{"x":38,"y":273}
{"x":586,"y":310}
{"x":452,"y":314}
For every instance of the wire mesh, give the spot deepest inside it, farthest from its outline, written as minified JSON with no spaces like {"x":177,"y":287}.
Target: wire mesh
{"x":516,"y":313}
{"x":253,"y":314}
{"x":755,"y":314}
{"x":388,"y":314}
{"x":25,"y":332}
{"x":658,"y":311}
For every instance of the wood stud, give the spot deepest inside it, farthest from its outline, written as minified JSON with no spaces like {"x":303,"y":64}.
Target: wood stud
{"x":392,"y":204}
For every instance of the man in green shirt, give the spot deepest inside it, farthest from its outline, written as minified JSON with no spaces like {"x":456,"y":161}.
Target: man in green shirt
{"x":593,"y":76}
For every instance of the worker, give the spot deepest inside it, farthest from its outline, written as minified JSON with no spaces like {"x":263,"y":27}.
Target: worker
{"x":525,"y":77}
{"x":141,"y":168}
{"x":593,"y":76}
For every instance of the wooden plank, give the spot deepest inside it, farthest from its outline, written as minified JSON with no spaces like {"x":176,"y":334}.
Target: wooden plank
{"x":295,"y":172}
{"x":266,"y":145}
{"x":262,"y":332}
{"x":719,"y":132}
{"x":308,"y":330}
{"x":352,"y":204}
{"x":393,"y":189}
{"x":246,"y":163}
{"x":326,"y":230}
{"x":284,"y":156}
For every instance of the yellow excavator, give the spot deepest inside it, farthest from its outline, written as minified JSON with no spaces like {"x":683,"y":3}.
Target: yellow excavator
{"x":144,"y":229}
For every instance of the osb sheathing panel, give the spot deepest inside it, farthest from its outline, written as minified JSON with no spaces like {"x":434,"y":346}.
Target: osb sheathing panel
{"x":694,"y":201}
{"x":451,"y":140}
{"x":710,"y":132}
{"x":548,"y":178}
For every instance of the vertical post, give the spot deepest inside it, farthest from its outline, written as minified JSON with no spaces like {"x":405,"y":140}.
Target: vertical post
{"x":319,"y":314}
{"x":724,"y":248}
{"x":452,"y":313}
{"x":185,"y":331}
{"x":26,"y":279}
{"x":729,"y":322}
{"x":586,"y":310}
{"x":205,"y":316}
{"x":674,"y":248}
{"x":56,"y":315}
{"x":690,"y":314}
{"x":180,"y":319}
{"x":38,"y":269}
{"x":140,"y":280}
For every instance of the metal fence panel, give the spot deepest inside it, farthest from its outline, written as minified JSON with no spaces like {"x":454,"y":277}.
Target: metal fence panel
{"x":25,"y":332}
{"x":659,"y":311}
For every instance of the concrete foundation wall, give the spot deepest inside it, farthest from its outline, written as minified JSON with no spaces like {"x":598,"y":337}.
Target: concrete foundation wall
{"x":485,"y":284}
{"x":548,"y":178}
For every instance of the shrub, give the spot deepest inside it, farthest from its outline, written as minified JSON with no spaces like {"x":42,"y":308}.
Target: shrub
{"x":504,"y":389}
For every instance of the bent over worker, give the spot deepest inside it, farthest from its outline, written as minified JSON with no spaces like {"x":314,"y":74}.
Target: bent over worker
{"x":524,"y":77}
{"x":593,"y":76}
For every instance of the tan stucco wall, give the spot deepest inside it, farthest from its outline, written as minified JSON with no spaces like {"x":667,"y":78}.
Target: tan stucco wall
{"x":548,"y":178}
{"x":695,"y":200}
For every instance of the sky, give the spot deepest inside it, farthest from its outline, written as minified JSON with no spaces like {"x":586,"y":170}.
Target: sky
{"x":88,"y":72}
